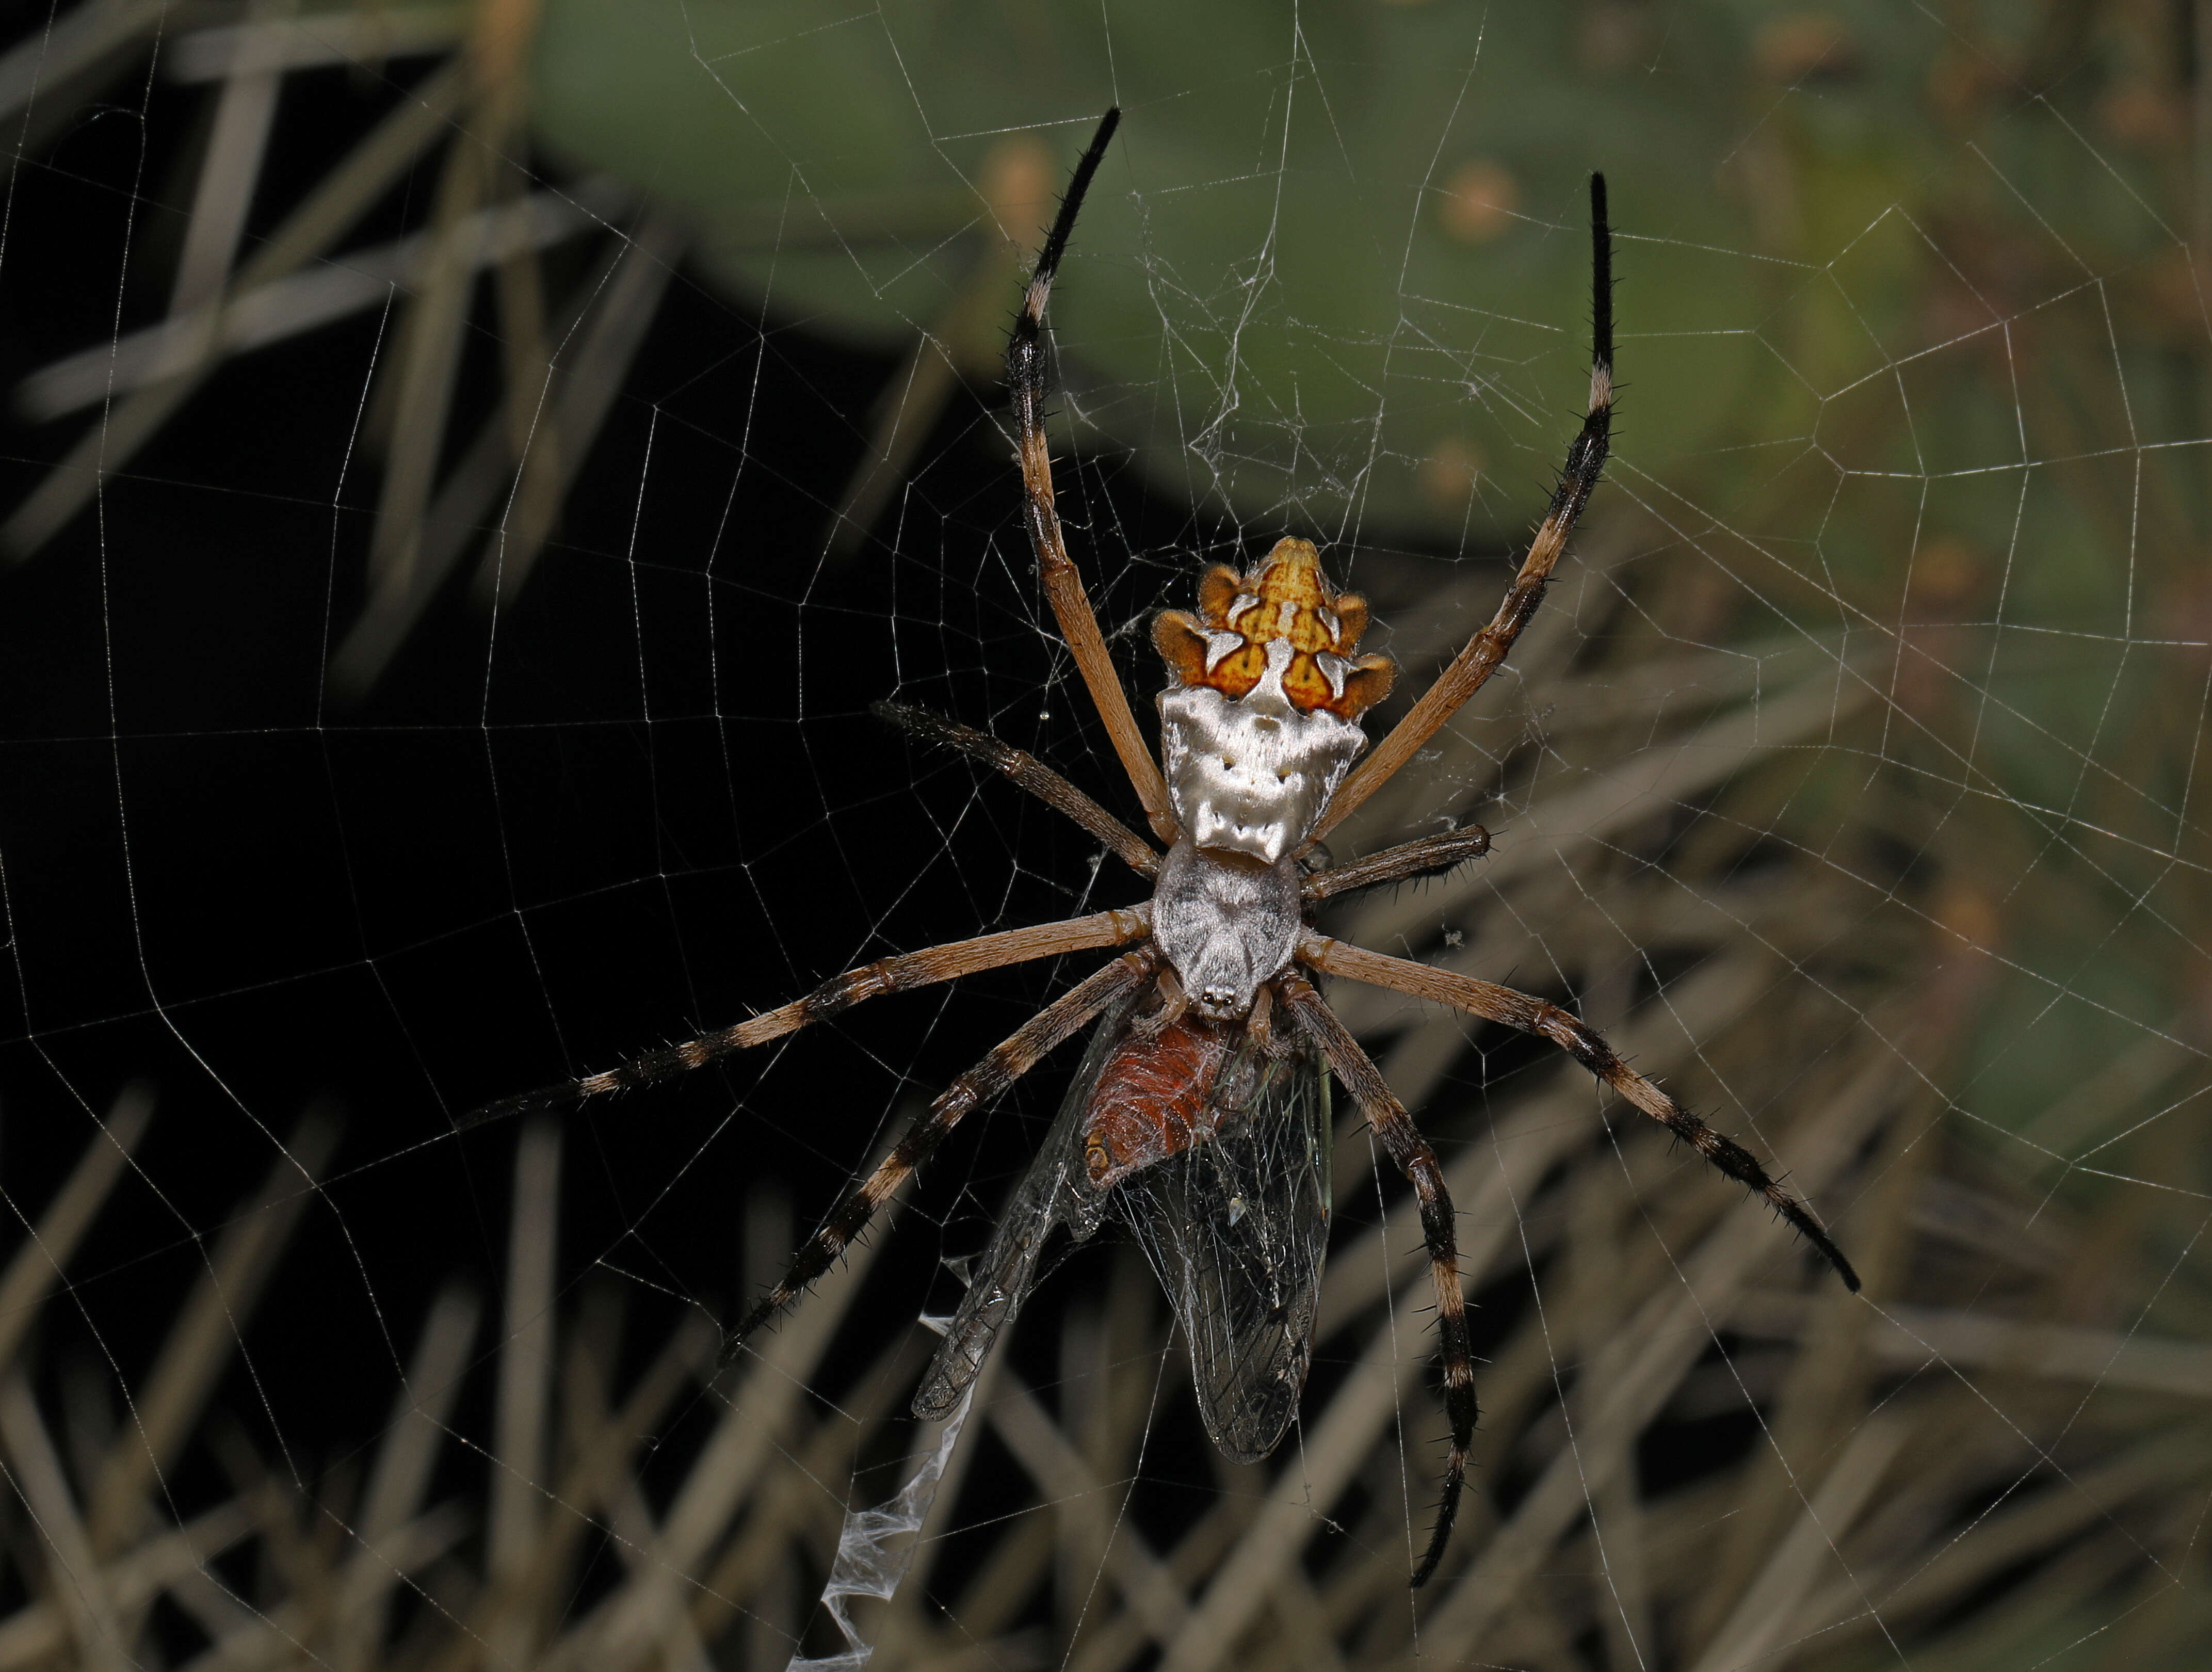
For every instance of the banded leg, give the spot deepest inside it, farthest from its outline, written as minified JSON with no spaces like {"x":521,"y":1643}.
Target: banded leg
{"x":1008,"y":1062}
{"x":1030,"y":774}
{"x":1430,"y":856}
{"x":1474,"y":665}
{"x":1063,"y":586}
{"x":1572,"y":1035}
{"x":834,"y":997}
{"x":1402,"y":1139}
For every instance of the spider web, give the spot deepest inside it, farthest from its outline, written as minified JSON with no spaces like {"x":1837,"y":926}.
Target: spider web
{"x":1845,"y":781}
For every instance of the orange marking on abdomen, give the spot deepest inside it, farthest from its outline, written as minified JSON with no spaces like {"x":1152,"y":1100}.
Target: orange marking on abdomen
{"x":1291,"y":601}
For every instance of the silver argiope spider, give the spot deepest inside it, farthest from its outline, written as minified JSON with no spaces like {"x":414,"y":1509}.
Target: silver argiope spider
{"x":1200,"y":1112}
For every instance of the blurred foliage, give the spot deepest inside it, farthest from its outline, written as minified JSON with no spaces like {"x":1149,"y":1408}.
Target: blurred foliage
{"x":1342,"y":256}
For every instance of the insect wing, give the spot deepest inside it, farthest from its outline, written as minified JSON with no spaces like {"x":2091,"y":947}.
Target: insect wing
{"x":1054,"y":1192}
{"x":1236,"y":1228}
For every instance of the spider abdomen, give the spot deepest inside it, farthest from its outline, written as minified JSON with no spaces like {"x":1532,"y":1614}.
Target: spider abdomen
{"x":1251,"y":775}
{"x":1263,"y":718}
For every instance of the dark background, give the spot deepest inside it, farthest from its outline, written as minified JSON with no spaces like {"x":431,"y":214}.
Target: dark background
{"x":646,"y":799}
{"x":643,"y":801}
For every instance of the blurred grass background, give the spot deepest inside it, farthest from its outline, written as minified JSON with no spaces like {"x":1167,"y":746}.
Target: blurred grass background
{"x":1847,"y":780}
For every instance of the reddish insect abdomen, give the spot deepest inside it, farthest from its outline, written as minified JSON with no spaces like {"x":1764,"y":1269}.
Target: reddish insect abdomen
{"x":1153,"y":1098}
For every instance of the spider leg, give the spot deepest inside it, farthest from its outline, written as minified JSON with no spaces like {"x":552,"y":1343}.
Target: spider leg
{"x":1430,"y":856}
{"x":1031,"y":775}
{"x":932,"y":965}
{"x":1063,"y":585}
{"x":1488,"y":648}
{"x":1008,"y":1062}
{"x":1547,"y":1021}
{"x":1174,"y":1005}
{"x":1406,"y":1146}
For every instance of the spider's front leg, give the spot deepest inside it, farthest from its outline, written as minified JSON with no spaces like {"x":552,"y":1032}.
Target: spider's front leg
{"x":1265,"y":1032}
{"x":1174,"y":1005}
{"x":1488,"y":650}
{"x":1063,"y":585}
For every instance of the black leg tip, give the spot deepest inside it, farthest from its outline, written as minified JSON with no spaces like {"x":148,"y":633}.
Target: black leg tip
{"x":545,"y":1097}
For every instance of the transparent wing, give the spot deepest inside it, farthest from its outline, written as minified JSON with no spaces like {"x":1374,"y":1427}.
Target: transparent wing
{"x":1054,"y":1192}
{"x":1236,"y":1228}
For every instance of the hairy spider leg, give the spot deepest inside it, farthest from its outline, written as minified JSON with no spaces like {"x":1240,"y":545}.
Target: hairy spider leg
{"x":834,"y":997}
{"x":1488,"y":648}
{"x":1063,"y":585}
{"x":1406,"y":1146}
{"x":1426,"y":856}
{"x":1547,"y":1021}
{"x":1030,"y":774}
{"x":1007,"y":1062}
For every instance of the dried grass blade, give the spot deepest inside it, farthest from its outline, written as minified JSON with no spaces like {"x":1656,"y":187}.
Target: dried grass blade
{"x":45,"y":1252}
{"x":346,"y":193}
{"x":1825,"y":1393}
{"x":779,"y":1515}
{"x":1669,"y":1333}
{"x":415,"y":404}
{"x":76,"y":1583}
{"x":288,"y":306}
{"x":208,"y":1328}
{"x":598,"y":1446}
{"x":588,"y":383}
{"x":38,"y":1633}
{"x":229,"y":171}
{"x":1649,"y":782}
{"x":1600,"y":1295}
{"x":1772,"y":1610}
{"x":767,"y":1395}
{"x":72,"y":44}
{"x":524,"y":1398}
{"x":1073,"y":1491}
{"x":370,"y":35}
{"x":2020,"y":1530}
{"x":402,"y":1474}
{"x":618,"y":307}
{"x":1907,"y":1336}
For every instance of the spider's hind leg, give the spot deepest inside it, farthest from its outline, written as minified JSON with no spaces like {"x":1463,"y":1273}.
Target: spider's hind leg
{"x":1402,"y":1139}
{"x":1579,"y":1040}
{"x":1007,"y":1062}
{"x":900,"y":974}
